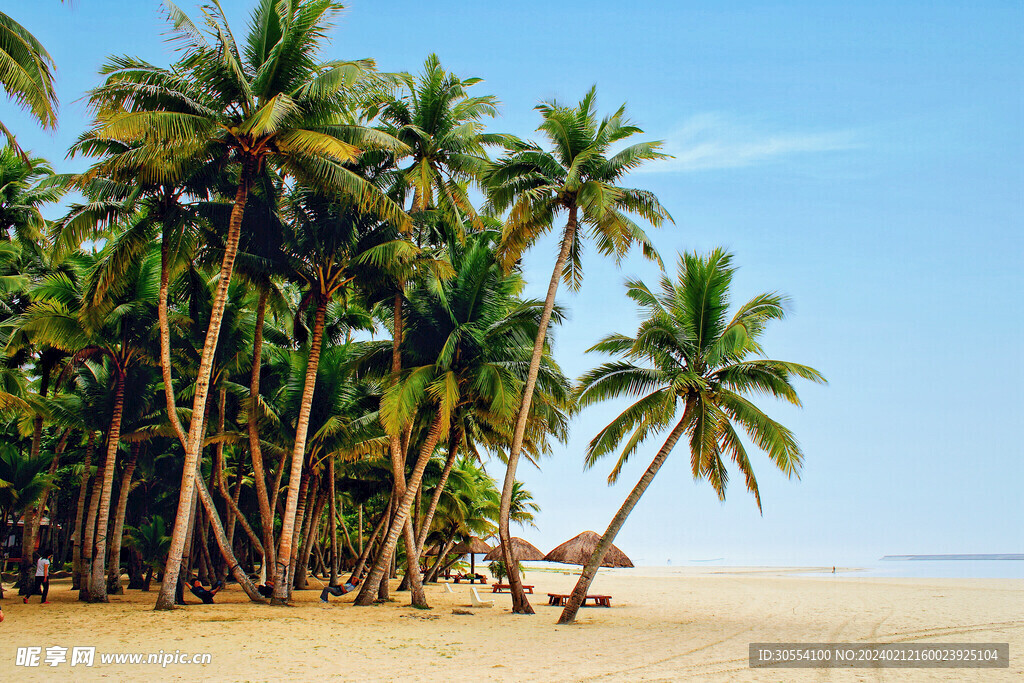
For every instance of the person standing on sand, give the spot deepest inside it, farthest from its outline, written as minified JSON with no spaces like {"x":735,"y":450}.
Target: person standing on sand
{"x":42,"y":583}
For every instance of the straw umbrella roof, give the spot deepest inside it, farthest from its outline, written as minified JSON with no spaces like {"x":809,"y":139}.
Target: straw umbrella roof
{"x":578,"y":549}
{"x":473,"y":545}
{"x":523,"y":551}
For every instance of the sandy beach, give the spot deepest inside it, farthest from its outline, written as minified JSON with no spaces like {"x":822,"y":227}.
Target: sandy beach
{"x":664,"y":624}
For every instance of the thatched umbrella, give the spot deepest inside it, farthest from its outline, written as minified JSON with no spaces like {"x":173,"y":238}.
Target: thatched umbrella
{"x":578,"y":549}
{"x":522,"y":551}
{"x":473,"y":547}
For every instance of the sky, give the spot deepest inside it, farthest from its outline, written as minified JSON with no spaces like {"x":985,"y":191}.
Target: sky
{"x":866,"y":159}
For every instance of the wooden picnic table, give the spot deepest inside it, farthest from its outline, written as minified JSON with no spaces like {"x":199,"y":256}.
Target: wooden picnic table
{"x":505,"y":588}
{"x":559,"y":600}
{"x":460,"y":579}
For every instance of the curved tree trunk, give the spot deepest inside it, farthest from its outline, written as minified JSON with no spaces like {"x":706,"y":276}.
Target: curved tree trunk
{"x":234,"y":568}
{"x":76,"y":558}
{"x":255,"y":449}
{"x":284,"y":550}
{"x":98,"y":579}
{"x":442,"y":553}
{"x":579,"y":593}
{"x":520,"y":604}
{"x":357,"y":570}
{"x":453,"y":451}
{"x":312,"y":534}
{"x":114,"y":569}
{"x":194,"y":446}
{"x":387,"y":550}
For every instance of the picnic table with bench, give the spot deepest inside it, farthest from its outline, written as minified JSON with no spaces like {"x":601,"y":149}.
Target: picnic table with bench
{"x":505,"y":588}
{"x":559,"y":600}
{"x":470,"y":579}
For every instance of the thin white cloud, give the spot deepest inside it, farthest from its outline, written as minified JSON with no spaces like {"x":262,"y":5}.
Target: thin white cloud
{"x":712,"y":141}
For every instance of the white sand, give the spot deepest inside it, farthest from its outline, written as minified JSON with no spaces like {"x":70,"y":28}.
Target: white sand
{"x":668,"y":624}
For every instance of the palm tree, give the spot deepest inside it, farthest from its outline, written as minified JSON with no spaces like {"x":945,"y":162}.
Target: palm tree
{"x":271,"y":100}
{"x":26,"y":74}
{"x":23,"y":478}
{"x":691,"y":367}
{"x":25,"y":186}
{"x":64,"y":316}
{"x":580,"y":178}
{"x":151,"y":541}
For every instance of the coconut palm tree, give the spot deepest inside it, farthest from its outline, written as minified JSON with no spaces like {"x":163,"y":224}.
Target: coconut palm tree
{"x":23,"y":478}
{"x":691,"y":368}
{"x":26,"y":74}
{"x":117,"y":329}
{"x":269,"y":101}
{"x":151,"y":541}
{"x":580,"y":178}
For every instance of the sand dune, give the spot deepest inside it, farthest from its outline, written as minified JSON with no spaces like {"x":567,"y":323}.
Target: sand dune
{"x":667,"y":624}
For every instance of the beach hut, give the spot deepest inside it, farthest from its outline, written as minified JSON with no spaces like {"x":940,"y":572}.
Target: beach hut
{"x":523,"y":551}
{"x":578,"y":549}
{"x":473,"y":547}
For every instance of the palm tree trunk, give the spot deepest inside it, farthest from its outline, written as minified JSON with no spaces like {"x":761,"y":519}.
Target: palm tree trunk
{"x":284,"y":551}
{"x":34,"y":521}
{"x":453,"y":451}
{"x":30,"y":527}
{"x":226,"y":552}
{"x":98,"y":586}
{"x":255,"y":449}
{"x":357,"y":570}
{"x":114,"y":570}
{"x":194,"y":446}
{"x":312,"y":533}
{"x":306,"y":496}
{"x":442,"y":552}
{"x":76,"y":581}
{"x":579,"y":593}
{"x":387,"y":550}
{"x":520,"y":604}
{"x":334,"y":523}
{"x":88,"y":544}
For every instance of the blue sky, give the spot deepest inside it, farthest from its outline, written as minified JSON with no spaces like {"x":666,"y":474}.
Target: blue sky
{"x":864,"y":158}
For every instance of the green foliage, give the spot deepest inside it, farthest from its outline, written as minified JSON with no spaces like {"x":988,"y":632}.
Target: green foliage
{"x":691,"y":357}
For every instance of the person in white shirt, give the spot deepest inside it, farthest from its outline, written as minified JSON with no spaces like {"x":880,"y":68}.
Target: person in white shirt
{"x":42,"y":584}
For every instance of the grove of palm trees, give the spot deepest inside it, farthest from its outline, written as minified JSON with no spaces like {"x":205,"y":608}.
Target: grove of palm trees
{"x":277,"y":332}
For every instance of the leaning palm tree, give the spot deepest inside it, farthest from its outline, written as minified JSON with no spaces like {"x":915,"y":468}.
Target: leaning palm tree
{"x":269,"y":101}
{"x":691,"y":367}
{"x":577,"y":177}
{"x":26,"y":74}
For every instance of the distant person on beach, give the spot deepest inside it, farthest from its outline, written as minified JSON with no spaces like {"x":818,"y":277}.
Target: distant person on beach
{"x":205,"y":595}
{"x":338,"y":591}
{"x":42,"y":582}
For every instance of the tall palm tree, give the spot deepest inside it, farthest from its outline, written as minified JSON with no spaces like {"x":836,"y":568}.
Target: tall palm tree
{"x":691,"y":367}
{"x":579,"y":178}
{"x":271,"y":100}
{"x":26,"y":74}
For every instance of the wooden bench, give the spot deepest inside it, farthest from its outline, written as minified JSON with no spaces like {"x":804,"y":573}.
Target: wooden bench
{"x":559,"y":600}
{"x":506,"y":588}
